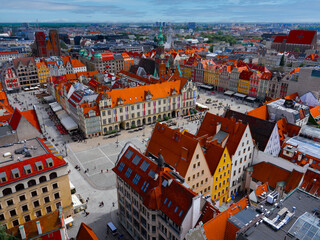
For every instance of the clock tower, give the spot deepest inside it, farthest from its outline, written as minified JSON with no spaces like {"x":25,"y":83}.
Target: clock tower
{"x":161,"y":59}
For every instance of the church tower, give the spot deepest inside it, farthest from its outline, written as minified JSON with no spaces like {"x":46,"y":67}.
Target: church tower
{"x":161,"y":56}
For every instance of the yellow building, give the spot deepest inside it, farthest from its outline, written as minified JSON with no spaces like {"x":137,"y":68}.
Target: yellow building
{"x":209,"y":75}
{"x":243,"y":86}
{"x":216,"y":75}
{"x":219,"y":161}
{"x":186,"y":72}
{"x":34,"y":187}
{"x":43,"y":73}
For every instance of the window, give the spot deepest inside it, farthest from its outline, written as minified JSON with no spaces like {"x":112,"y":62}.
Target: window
{"x":36,"y":203}
{"x":235,"y":163}
{"x":209,"y":188}
{"x":49,"y":210}
{"x":27,"y":218}
{"x":121,"y":166}
{"x":239,"y":170}
{"x":34,"y":193}
{"x":202,"y":182}
{"x":244,"y":150}
{"x":15,"y":222}
{"x":55,"y":185}
{"x":188,"y":179}
{"x":198,"y":174}
{"x":128,"y":154}
{"x":10,"y":202}
{"x":38,"y":213}
{"x":1,"y":217}
{"x":58,"y":204}
{"x":46,"y":199}
{"x":234,"y":173}
{"x":136,"y":160}
{"x":13,"y":213}
{"x":217,"y":179}
{"x":197,"y":157}
{"x":194,"y":165}
{"x":194,"y":176}
{"x":240,"y":160}
{"x":44,"y":189}
{"x":56,"y":195}
{"x":128,"y":172}
{"x":202,"y":172}
{"x":144,"y":166}
{"x":24,"y":208}
{"x":197,"y":185}
{"x":22,"y":198}
{"x":136,"y":179}
{"x":206,"y":179}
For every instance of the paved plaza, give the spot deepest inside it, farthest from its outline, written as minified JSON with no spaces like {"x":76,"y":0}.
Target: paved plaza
{"x":100,"y":154}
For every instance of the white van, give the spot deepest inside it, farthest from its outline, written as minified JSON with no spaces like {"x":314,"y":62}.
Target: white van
{"x":112,"y":228}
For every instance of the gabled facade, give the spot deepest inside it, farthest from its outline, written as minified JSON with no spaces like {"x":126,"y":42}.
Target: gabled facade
{"x":184,"y":154}
{"x":43,"y":73}
{"x":26,"y":71}
{"x":10,"y":80}
{"x":237,"y":137}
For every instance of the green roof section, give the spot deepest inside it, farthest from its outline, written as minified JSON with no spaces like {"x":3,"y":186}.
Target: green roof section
{"x":160,"y":37}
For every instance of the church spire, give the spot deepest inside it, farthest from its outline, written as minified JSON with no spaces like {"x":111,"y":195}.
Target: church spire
{"x":160,"y":37}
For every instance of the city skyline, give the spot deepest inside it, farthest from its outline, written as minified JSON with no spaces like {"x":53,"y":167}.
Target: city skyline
{"x":232,"y":11}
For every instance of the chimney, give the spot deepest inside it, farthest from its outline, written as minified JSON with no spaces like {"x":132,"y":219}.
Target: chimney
{"x":22,"y":232}
{"x":218,"y":127}
{"x":39,"y":228}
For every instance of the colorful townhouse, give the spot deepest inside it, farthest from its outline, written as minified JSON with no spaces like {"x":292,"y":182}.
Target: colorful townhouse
{"x":10,"y":80}
{"x":43,"y":73}
{"x":237,"y":137}
{"x":244,"y":82}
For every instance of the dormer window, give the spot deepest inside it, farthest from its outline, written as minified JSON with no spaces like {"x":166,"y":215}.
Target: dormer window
{"x":39,"y":166}
{"x":3,"y":177}
{"x":15,"y":172}
{"x":27,"y":169}
{"x":49,"y":162}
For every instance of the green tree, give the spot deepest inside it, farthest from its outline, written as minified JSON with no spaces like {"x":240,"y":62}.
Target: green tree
{"x":282,"y":60}
{"x":211,"y":48}
{"x":6,"y":236}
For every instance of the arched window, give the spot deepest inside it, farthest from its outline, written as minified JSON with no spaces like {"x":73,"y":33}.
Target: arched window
{"x":6,"y":191}
{"x":42,"y":179}
{"x":19,"y":187}
{"x":32,"y":183}
{"x":53,"y":175}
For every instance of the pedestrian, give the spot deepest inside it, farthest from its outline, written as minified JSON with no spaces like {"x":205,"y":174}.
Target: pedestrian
{"x":107,"y":170}
{"x":87,"y":169}
{"x":101,"y":171}
{"x":112,"y":204}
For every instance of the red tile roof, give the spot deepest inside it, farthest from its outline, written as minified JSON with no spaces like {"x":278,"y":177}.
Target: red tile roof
{"x":235,"y":129}
{"x":50,"y":223}
{"x":162,"y":192}
{"x":57,"y":162}
{"x":24,"y":61}
{"x":30,"y":115}
{"x":86,"y":233}
{"x":261,"y":189}
{"x":311,"y":183}
{"x":280,"y":38}
{"x":216,"y":228}
{"x":8,"y":52}
{"x":176,"y":148}
{"x":272,"y":174}
{"x":301,"y":36}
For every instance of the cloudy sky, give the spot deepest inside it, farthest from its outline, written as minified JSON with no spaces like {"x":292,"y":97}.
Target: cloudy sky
{"x":160,"y":10}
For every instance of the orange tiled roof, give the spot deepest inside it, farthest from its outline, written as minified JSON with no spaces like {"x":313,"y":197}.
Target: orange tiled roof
{"x":31,"y":116}
{"x":138,"y":94}
{"x":215,"y":229}
{"x":272,"y":174}
{"x":296,"y":70}
{"x":261,"y":189}
{"x":176,"y":148}
{"x":260,"y":112}
{"x":76,"y":63}
{"x":311,"y":182}
{"x":86,"y":233}
{"x":315,"y":111}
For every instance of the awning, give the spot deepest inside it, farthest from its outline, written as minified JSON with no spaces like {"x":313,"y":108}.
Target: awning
{"x":229,"y":93}
{"x":68,"y":220}
{"x":76,"y":201}
{"x":206,"y":87}
{"x":240,"y":95}
{"x":250,"y":99}
{"x":201,"y":105}
{"x":55,"y":106}
{"x":69,"y":124}
{"x":49,"y":99}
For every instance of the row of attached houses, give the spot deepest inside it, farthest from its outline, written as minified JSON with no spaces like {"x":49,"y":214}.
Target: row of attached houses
{"x":32,"y":72}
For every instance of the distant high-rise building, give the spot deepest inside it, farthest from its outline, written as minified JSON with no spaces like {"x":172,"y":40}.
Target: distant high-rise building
{"x":192,"y":25}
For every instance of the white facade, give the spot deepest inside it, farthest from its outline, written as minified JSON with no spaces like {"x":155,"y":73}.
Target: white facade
{"x":241,"y":159}
{"x":273,"y":146}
